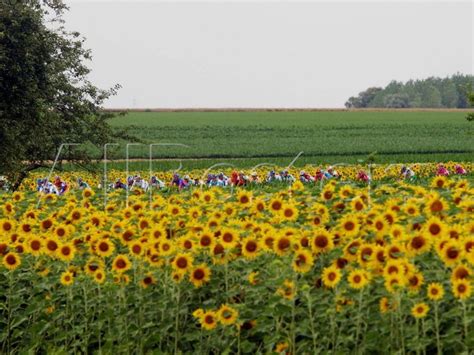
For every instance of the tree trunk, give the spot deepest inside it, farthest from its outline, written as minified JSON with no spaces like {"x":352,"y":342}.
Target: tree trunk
{"x":23,"y":175}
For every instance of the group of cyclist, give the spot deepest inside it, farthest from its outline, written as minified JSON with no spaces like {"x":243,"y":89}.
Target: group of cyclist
{"x":237,"y":178}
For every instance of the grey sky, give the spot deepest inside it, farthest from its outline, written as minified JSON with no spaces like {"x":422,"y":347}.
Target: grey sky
{"x":267,"y":54}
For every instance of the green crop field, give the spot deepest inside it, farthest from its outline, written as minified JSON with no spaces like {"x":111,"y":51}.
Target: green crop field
{"x":323,"y":136}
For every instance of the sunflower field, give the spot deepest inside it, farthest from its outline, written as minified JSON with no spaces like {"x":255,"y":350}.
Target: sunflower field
{"x":301,"y":269}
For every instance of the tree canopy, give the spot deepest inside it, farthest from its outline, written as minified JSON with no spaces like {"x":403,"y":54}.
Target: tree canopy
{"x":470,"y":115}
{"x":449,"y":92}
{"x":46,"y":98}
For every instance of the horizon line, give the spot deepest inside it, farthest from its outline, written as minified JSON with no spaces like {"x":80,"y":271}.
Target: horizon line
{"x":283,"y":109}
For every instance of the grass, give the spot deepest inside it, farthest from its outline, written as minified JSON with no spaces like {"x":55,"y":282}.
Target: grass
{"x":323,"y":136}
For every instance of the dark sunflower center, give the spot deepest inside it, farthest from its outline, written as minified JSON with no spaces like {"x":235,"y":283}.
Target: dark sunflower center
{"x":321,"y":241}
{"x":182,"y":263}
{"x":199,"y":274}
{"x":251,"y":246}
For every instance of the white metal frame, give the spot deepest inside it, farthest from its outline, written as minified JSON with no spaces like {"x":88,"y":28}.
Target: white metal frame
{"x":126,"y":168}
{"x":150,"y":163}
{"x":54,"y":165}
{"x":105,"y":173}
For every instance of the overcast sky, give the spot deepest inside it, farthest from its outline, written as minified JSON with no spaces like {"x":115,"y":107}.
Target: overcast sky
{"x":268,"y":54}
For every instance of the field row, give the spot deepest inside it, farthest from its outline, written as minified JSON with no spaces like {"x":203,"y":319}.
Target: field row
{"x":323,"y":136}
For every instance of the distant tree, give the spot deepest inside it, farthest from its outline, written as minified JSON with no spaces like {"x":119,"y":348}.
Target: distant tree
{"x":431,"y":97}
{"x":470,"y":115}
{"x":449,"y":92}
{"x":396,"y":101}
{"x":416,"y":101}
{"x":449,"y":97}
{"x":463,"y":85}
{"x":353,"y":102}
{"x":394,"y":87}
{"x":364,"y":98}
{"x":45,"y":96}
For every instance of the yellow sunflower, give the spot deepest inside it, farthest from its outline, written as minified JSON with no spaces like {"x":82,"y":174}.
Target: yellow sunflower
{"x":244,"y":197}
{"x":121,"y":263}
{"x":282,"y":245}
{"x":137,"y":249}
{"x":287,"y":290}
{"x":358,"y":278}
{"x":208,"y":320}
{"x":66,"y":251}
{"x":228,"y":238}
{"x":435,"y":205}
{"x":99,"y":276}
{"x":322,"y":241}
{"x":461,"y":272}
{"x":104,"y":248}
{"x":452,"y":252}
{"x":434,"y":227}
{"x":206,"y":239}
{"x":418,"y":244}
{"x":11,"y":261}
{"x":7,"y":226}
{"x":200,"y":275}
{"x":67,"y":278}
{"x":435,"y":291}
{"x":182,"y":263}
{"x":34,"y":245}
{"x":276,"y":205}
{"x":415,"y":281}
{"x":420,"y":310}
{"x":462,"y":289}
{"x":289,"y":212}
{"x":303,"y":261}
{"x":227,"y":315}
{"x":331,"y":276}
{"x":349,"y":225}
{"x":250,"y":247}
{"x":147,"y":281}
{"x":252,"y":278}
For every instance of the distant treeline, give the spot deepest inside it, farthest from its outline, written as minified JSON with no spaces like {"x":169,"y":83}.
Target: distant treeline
{"x":449,"y":92}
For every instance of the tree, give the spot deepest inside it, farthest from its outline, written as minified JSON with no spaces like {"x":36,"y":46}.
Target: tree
{"x":470,"y":115}
{"x":396,"y":101}
{"x":449,"y":95}
{"x":431,"y":97}
{"x":364,"y":98}
{"x":45,"y":96}
{"x":449,"y":92}
{"x":353,"y":102}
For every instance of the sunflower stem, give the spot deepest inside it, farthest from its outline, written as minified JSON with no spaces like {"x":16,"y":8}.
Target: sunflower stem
{"x":86,"y":315}
{"x":200,"y":341}
{"x":226,"y":277}
{"x":113,"y":332}
{"x":417,"y":337}
{"x":334,"y":325}
{"x":423,"y":334}
{"x":400,"y":322}
{"x":311,"y":320}
{"x":69,"y":315}
{"x":99,"y":315}
{"x":124,"y":318}
{"x":140,"y":306}
{"x":464,"y":318}
{"x":293,"y":311}
{"x":391,"y":332}
{"x":9,"y":313}
{"x":176,"y":337}
{"x":438,"y":342}
{"x":359,"y":319}
{"x":238,"y":341}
